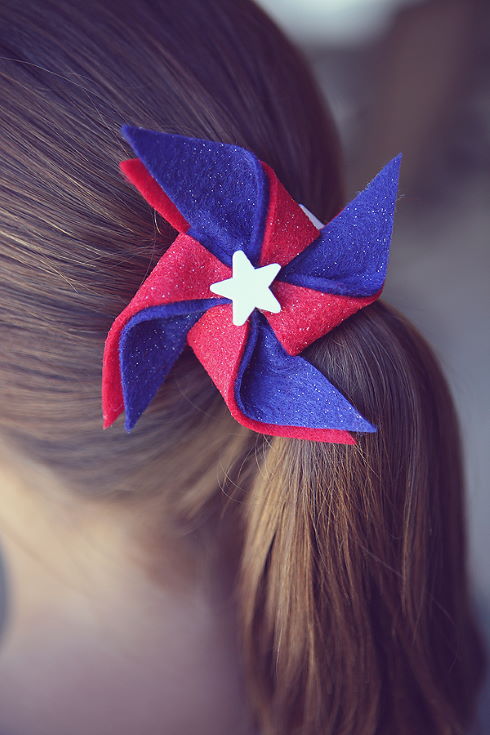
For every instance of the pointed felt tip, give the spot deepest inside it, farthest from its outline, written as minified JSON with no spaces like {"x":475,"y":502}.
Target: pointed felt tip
{"x":130,"y":423}
{"x":350,"y":255}
{"x":346,"y":439}
{"x":390,"y":171}
{"x":392,"y":168}
{"x":143,"y":141}
{"x":385,"y":183}
{"x":126,"y":131}
{"x":369,"y":428}
{"x":135,"y":172}
{"x":140,"y":138}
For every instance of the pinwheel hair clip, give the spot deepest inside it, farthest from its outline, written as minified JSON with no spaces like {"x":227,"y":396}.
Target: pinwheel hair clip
{"x":250,"y":281}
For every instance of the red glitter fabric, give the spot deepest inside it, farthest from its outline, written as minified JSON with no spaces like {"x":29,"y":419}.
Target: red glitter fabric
{"x":306,"y":315}
{"x":183,"y":273}
{"x":288,"y":230}
{"x":219,"y":345}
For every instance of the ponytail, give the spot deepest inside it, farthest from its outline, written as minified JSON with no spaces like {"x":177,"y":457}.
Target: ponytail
{"x":352,"y":558}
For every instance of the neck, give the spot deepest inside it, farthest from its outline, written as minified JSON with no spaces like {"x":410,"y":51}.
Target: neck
{"x":91,"y":579}
{"x":58,"y":540}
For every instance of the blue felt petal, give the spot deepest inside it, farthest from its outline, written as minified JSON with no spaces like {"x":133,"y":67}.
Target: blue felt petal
{"x":351,"y":253}
{"x":220,"y":189}
{"x":149,"y":345}
{"x":277,"y":388}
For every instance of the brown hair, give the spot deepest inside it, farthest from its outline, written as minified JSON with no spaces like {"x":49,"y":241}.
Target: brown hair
{"x":353,"y":591}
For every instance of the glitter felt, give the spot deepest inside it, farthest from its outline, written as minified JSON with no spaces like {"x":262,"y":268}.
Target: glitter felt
{"x":222,"y":199}
{"x":306,"y":314}
{"x":182,"y":274}
{"x":150,"y":343}
{"x":351,"y":253}
{"x":220,"y":189}
{"x":219,"y":346}
{"x":275,"y":387}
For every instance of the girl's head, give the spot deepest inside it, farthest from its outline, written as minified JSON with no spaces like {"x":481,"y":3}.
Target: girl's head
{"x":352,"y":584}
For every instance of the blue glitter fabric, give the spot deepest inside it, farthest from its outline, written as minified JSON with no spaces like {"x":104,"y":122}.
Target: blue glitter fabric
{"x":351,"y":254}
{"x":150,"y":344}
{"x":221,"y":189}
{"x":276,"y":388}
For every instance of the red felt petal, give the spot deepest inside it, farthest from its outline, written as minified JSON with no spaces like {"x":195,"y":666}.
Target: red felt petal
{"x":288,"y":231}
{"x":136,"y":173}
{"x":183,"y":273}
{"x":219,"y":346}
{"x":306,"y":314}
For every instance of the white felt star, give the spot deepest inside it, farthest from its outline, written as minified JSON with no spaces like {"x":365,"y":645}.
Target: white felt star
{"x":248,"y":288}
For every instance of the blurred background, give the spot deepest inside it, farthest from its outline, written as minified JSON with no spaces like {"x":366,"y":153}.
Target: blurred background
{"x":414,"y":76}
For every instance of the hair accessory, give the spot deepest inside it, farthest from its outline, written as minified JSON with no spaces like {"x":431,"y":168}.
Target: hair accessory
{"x":250,"y":281}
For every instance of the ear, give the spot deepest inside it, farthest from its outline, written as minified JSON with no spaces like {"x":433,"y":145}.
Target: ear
{"x":350,"y":255}
{"x":219,"y":189}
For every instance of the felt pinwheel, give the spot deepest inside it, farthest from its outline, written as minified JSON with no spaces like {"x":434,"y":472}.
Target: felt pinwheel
{"x":250,"y":281}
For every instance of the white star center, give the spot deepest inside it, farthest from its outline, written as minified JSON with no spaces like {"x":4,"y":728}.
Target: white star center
{"x":248,"y":288}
